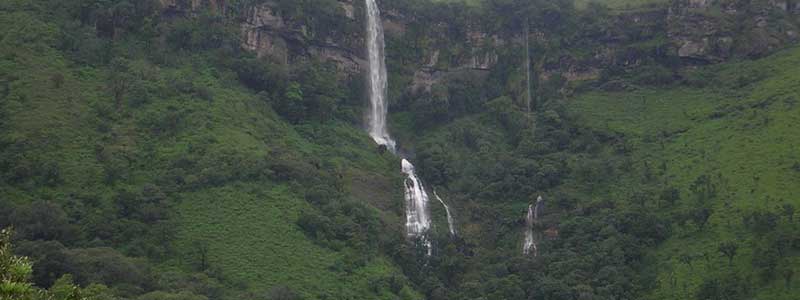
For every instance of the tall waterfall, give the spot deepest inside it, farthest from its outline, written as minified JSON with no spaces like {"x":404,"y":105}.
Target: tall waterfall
{"x":417,"y":215}
{"x":532,"y":218}
{"x":378,"y":84}
{"x":450,"y":220}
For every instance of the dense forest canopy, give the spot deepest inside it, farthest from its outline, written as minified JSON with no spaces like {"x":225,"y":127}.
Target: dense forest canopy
{"x":211,"y":149}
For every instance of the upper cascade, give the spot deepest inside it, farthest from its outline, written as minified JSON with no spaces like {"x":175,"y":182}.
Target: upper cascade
{"x":378,"y":83}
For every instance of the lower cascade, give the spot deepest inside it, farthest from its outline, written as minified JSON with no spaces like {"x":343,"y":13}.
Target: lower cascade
{"x":417,"y":220}
{"x":531,"y":219}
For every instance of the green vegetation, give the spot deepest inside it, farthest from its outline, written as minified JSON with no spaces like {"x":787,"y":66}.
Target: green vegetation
{"x":179,"y":168}
{"x":620,"y":5}
{"x":145,"y":155}
{"x":728,"y":146}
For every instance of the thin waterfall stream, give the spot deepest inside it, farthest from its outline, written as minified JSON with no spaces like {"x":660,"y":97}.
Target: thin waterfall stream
{"x":451,"y":222}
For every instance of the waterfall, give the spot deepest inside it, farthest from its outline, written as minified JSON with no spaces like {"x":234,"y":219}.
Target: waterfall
{"x":450,"y":221}
{"x":530,"y":244}
{"x":417,"y":219}
{"x":417,"y":215}
{"x":378,"y":84}
{"x":531,"y":219}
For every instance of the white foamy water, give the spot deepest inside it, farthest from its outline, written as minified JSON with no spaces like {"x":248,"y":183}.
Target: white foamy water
{"x":378,"y":83}
{"x":531,"y":219}
{"x":417,"y":220}
{"x":417,"y":215}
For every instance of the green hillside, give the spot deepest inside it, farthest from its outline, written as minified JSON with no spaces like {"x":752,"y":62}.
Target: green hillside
{"x":163,"y":153}
{"x":215,"y":150}
{"x":736,"y":133}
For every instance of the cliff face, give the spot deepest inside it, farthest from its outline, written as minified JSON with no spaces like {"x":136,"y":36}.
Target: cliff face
{"x":696,"y":31}
{"x":711,"y":32}
{"x":180,"y":7}
{"x":622,"y":41}
{"x":285,"y":39}
{"x":479,"y":53}
{"x":440,"y":49}
{"x":271,"y":34}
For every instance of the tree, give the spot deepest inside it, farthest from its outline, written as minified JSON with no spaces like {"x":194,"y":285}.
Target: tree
{"x":788,"y":273}
{"x":201,"y":250}
{"x":64,"y":289}
{"x":57,"y":79}
{"x":700,"y":216}
{"x":766,"y":260}
{"x":15,"y":275}
{"x":282,"y":293}
{"x":43,"y":220}
{"x":788,"y":211}
{"x":48,"y":258}
{"x":671,"y":195}
{"x":687,"y":259}
{"x":119,"y":80}
{"x":728,"y":249}
{"x":761,"y":222}
{"x":182,"y":295}
{"x":15,"y":271}
{"x":291,"y":105}
{"x":107,"y":266}
{"x":703,"y":188}
{"x":728,"y":287}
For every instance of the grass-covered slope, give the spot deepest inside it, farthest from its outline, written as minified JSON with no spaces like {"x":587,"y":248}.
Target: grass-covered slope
{"x":729,"y":145}
{"x":137,"y":144}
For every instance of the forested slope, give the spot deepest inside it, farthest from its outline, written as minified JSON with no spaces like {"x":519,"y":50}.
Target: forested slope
{"x":214,"y":149}
{"x":152,"y":161}
{"x":723,"y":150}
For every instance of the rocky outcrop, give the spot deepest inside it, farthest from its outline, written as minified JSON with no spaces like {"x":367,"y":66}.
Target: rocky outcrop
{"x":711,"y":32}
{"x":285,"y":40}
{"x":628,"y":41}
{"x":696,"y":31}
{"x":479,"y":54}
{"x":483,"y":50}
{"x":183,"y":7}
{"x":345,"y":59}
{"x":263,"y":32}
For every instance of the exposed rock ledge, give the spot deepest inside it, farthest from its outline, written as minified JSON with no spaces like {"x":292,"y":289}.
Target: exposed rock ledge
{"x":270,"y":35}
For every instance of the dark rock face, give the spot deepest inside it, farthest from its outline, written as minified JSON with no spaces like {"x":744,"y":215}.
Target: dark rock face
{"x":285,"y":40}
{"x":627,"y":41}
{"x":711,"y":32}
{"x":183,"y":7}
{"x":696,"y":31}
{"x":264,"y":32}
{"x":480,"y":56}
